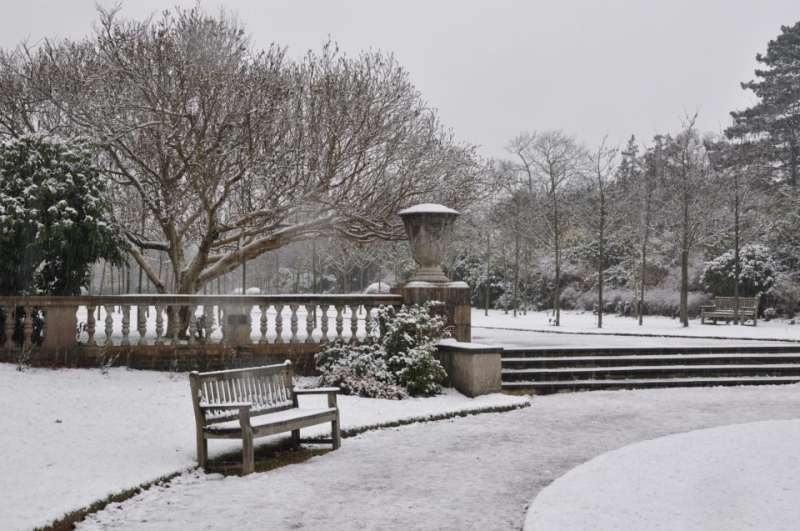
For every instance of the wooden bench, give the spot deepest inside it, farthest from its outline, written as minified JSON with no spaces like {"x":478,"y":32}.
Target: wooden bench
{"x":256,"y":402}
{"x":724,"y":310}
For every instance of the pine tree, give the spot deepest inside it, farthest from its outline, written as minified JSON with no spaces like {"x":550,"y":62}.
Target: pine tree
{"x":774,"y":122}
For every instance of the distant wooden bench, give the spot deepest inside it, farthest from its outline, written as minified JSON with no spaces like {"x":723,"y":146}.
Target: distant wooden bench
{"x":257,"y":402}
{"x":724,"y":310}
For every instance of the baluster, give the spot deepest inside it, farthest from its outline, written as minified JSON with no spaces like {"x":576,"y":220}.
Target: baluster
{"x":109,"y":325}
{"x":324,"y":318}
{"x":222,"y":315}
{"x":368,"y":324}
{"x":90,"y":325}
{"x":279,"y":323}
{"x":44,"y":323}
{"x":293,"y":339}
{"x":27,"y":327}
{"x":141,"y":324}
{"x":175,"y":324}
{"x":192,"y":325}
{"x":126,"y":325}
{"x":8,"y":326}
{"x":159,"y":324}
{"x":311,"y":322}
{"x":263,"y":339}
{"x":354,"y":323}
{"x":208,"y":319}
{"x":339,"y":321}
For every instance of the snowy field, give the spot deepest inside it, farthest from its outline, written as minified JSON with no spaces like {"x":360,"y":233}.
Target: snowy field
{"x":579,"y":329}
{"x":72,"y":437}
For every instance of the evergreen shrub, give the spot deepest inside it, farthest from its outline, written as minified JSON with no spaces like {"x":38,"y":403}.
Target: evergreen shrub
{"x":398,"y":365}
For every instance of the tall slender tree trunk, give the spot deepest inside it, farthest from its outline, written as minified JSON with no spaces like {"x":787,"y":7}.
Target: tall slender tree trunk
{"x":643,"y":275}
{"x":516,"y":272}
{"x":487,"y":284}
{"x":600,"y":268}
{"x":736,"y":265}
{"x":557,"y":242}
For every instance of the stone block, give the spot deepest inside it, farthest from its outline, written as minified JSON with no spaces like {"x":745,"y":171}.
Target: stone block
{"x":472,"y":368}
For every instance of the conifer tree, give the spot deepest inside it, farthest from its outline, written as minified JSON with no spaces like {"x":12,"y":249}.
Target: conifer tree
{"x":773,"y":123}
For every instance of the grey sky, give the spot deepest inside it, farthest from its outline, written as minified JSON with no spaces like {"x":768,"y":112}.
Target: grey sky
{"x":497,"y":68}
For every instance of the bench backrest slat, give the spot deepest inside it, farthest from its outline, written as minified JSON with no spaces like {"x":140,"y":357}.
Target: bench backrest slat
{"x":728,"y":303}
{"x":268,"y":389}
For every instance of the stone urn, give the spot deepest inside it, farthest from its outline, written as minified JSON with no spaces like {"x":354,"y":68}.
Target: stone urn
{"x":429,"y":227}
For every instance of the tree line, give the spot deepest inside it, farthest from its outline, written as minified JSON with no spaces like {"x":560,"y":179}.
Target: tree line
{"x":213,"y":156}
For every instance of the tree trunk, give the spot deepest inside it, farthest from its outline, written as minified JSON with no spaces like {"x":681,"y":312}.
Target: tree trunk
{"x":487,"y":283}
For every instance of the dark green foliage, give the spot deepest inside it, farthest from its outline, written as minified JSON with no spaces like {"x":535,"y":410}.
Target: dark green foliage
{"x":773,"y":123}
{"x":53,"y":221}
{"x":757,"y":276}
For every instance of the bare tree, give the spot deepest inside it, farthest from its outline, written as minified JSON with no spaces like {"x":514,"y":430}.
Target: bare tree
{"x":602,"y":210}
{"x":233,"y":151}
{"x":550,"y":161}
{"x":691,"y":189}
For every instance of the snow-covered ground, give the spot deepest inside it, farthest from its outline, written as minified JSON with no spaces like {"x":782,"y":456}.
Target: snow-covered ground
{"x":744,"y":476}
{"x":579,"y":329}
{"x":72,"y":437}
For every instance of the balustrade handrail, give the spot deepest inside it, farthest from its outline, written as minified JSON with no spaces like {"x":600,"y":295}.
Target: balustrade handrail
{"x":127,"y":318}
{"x":386,"y":299}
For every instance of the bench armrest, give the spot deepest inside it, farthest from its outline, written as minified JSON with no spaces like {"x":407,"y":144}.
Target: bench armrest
{"x":317,"y":391}
{"x":229,"y":405}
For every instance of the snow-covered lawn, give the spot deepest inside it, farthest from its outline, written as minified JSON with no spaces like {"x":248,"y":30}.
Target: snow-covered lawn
{"x":72,"y":437}
{"x":579,"y":329}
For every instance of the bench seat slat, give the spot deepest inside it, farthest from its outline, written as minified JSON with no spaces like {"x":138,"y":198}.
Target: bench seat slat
{"x":263,"y":423}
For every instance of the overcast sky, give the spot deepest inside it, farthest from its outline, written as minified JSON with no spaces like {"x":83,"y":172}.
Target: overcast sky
{"x":496,"y":68}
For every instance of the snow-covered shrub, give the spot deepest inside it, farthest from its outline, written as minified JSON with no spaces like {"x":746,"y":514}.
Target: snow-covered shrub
{"x":770,"y":314}
{"x":410,"y":342}
{"x":666,"y":302}
{"x":377,"y":287}
{"x":358,"y":370}
{"x":787,"y":295}
{"x":756,"y":278}
{"x":399,"y":364}
{"x":570,"y":298}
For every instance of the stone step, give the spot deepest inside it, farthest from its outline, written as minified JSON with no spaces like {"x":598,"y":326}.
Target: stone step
{"x":648,"y":359}
{"x":649,"y":372}
{"x":550,"y":352}
{"x":528,"y":388}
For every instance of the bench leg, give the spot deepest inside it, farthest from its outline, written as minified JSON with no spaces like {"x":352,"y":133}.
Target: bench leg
{"x":336,"y":436}
{"x":248,"y":457}
{"x":296,"y":439}
{"x":202,"y":451}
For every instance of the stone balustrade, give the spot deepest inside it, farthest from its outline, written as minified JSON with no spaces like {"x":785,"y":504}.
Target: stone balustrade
{"x":74,"y":330}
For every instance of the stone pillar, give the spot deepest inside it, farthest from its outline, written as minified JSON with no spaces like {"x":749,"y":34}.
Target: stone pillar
{"x":429,"y":228}
{"x":237,"y":326}
{"x":472,"y":369}
{"x":60,"y":330}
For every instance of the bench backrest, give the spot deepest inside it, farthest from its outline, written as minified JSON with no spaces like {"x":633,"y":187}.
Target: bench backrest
{"x":727,"y":303}
{"x":268,"y":389}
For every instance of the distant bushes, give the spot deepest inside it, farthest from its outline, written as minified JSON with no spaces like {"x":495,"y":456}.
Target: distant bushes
{"x":657,"y":301}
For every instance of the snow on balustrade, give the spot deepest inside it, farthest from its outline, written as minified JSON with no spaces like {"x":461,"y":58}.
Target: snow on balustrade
{"x":145,"y":320}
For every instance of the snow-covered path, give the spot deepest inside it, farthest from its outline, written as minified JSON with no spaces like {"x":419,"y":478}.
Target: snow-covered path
{"x":742,"y":476}
{"x":475,"y":473}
